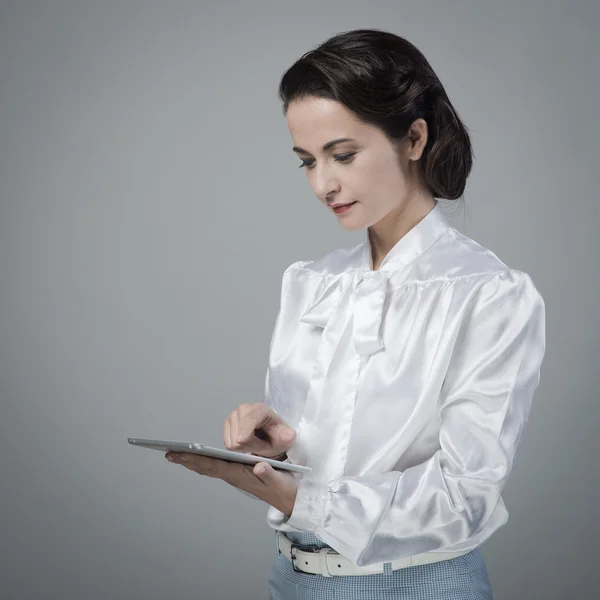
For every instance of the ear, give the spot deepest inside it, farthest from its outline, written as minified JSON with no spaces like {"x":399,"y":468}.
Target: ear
{"x":417,"y":139}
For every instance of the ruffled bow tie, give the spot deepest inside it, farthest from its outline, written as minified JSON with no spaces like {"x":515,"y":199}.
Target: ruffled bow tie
{"x":349,"y":307}
{"x":359,"y":294}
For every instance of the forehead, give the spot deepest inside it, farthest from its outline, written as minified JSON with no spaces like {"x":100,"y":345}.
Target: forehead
{"x":315,"y":121}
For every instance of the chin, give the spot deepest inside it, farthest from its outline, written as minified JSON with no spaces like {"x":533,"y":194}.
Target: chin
{"x":353,"y":226}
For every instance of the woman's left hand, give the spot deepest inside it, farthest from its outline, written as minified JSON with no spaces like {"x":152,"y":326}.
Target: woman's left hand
{"x":277,"y":488}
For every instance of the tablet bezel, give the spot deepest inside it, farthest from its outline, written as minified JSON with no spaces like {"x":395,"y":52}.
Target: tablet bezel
{"x":204,"y":450}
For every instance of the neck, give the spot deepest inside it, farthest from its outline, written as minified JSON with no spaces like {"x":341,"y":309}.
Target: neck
{"x":385,"y":234}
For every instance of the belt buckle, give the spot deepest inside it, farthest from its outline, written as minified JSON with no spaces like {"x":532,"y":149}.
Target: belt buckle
{"x":294,"y":559}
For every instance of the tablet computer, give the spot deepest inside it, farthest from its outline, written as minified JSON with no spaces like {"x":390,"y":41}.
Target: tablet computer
{"x":204,"y":450}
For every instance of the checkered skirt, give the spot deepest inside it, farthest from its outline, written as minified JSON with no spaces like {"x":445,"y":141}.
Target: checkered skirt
{"x":461,"y":578}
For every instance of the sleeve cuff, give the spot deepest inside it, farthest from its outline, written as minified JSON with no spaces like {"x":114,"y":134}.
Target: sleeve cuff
{"x":310,"y":506}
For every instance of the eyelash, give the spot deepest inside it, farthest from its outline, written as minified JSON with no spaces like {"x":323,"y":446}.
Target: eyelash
{"x":339,"y":157}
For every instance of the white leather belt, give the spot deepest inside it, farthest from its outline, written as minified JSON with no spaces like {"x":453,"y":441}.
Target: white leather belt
{"x":329,"y":563}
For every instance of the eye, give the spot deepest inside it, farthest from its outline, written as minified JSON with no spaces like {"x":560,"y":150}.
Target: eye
{"x":306,"y":163}
{"x":344,"y":158}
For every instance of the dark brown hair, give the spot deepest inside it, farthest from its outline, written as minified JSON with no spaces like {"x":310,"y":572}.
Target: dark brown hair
{"x":387,"y":82}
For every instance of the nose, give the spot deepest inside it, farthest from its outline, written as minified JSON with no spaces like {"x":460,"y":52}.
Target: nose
{"x":324,"y":183}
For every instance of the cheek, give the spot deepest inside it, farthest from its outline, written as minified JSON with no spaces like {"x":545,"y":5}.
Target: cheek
{"x":391,"y":171}
{"x":381,"y":178}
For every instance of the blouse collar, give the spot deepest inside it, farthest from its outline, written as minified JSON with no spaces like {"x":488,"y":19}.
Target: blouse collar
{"x":412,"y":244}
{"x":359,"y":294}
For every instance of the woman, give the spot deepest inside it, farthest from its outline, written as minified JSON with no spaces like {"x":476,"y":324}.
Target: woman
{"x":402,"y":370}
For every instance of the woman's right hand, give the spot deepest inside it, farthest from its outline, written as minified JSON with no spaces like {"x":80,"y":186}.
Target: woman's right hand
{"x":257,"y":429}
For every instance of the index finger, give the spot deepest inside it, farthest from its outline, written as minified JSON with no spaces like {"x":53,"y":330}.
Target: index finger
{"x":257,"y":416}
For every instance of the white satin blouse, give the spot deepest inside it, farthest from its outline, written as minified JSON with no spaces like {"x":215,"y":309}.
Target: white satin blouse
{"x":409,"y":388}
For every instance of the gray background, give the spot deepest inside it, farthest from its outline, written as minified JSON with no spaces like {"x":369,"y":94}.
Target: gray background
{"x":149,"y":203}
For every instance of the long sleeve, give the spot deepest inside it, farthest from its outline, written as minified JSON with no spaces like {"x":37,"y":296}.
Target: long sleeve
{"x":484,"y":405}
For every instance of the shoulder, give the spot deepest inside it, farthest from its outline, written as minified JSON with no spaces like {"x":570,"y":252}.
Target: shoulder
{"x":334,"y":262}
{"x":468,"y":258}
{"x":471,"y":272}
{"x":456,"y":255}
{"x":323,"y":268}
{"x":302,"y":280}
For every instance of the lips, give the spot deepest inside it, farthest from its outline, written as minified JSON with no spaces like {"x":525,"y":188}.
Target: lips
{"x":344,"y":208}
{"x":342,"y":205}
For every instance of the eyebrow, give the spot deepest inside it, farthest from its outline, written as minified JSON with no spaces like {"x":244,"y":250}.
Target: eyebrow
{"x":326,"y":146}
